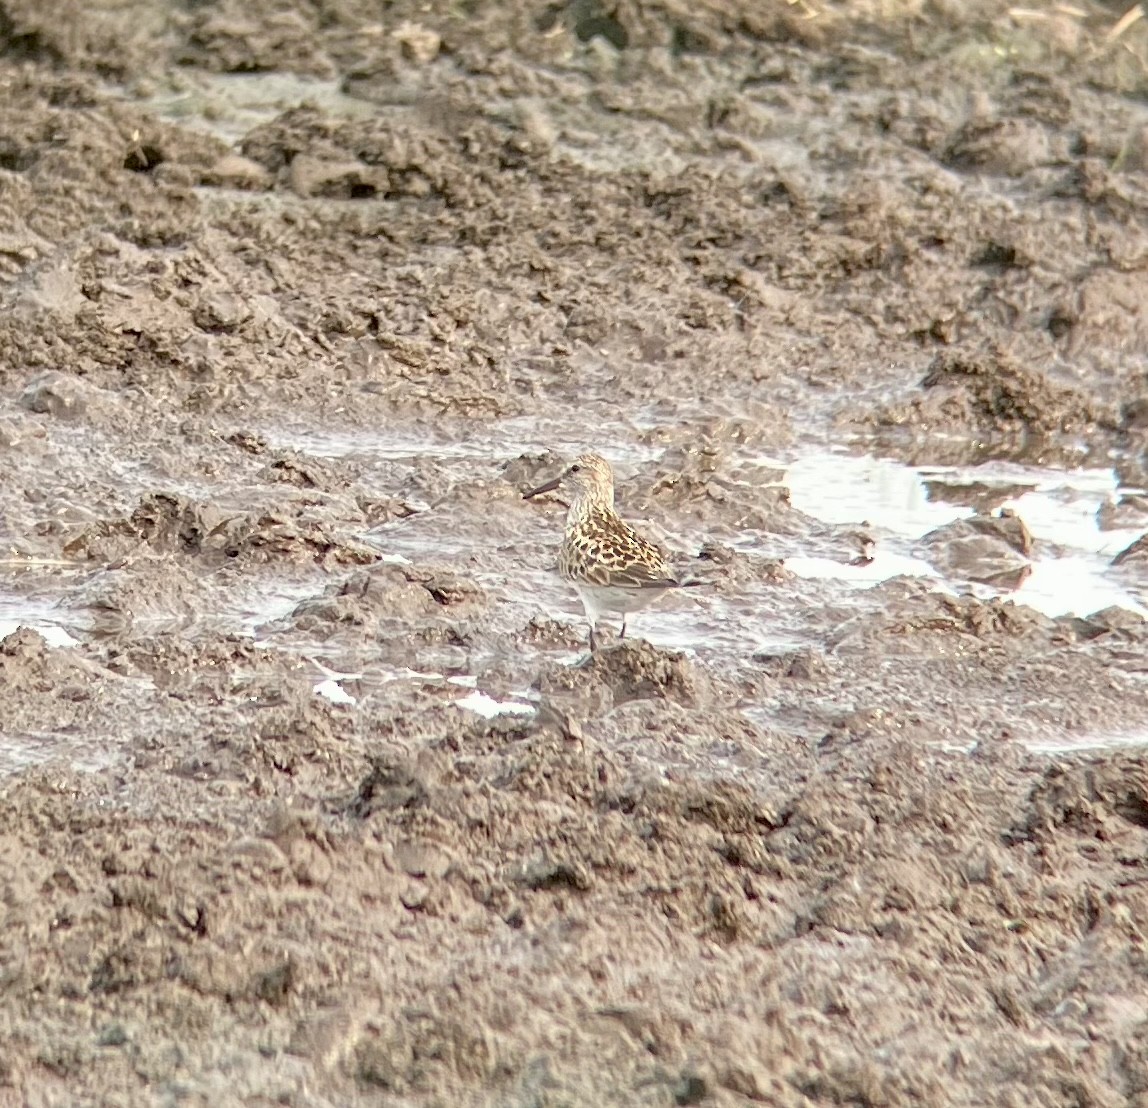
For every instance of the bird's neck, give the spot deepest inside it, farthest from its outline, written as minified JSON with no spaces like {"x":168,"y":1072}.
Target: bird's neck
{"x":586,"y":504}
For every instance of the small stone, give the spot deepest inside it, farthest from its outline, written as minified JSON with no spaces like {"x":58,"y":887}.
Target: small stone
{"x":691,"y":1089}
{"x":1129,"y":511}
{"x":1007,"y":526}
{"x":261,"y":853}
{"x":309,"y":863}
{"x":418,"y":43}
{"x":220,"y":311}
{"x":806,"y":665}
{"x":112,"y":1035}
{"x":990,"y":549}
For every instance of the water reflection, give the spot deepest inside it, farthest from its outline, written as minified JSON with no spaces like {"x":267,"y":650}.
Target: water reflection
{"x":1069,"y":569}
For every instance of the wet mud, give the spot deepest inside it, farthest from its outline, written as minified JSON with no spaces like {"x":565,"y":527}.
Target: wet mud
{"x":312,"y":793}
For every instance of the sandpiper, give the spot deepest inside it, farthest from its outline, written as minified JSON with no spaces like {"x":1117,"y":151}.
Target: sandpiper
{"x":612,"y":567}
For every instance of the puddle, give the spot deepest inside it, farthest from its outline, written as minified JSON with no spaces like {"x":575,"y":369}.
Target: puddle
{"x":897,"y":505}
{"x":841,"y":489}
{"x":474,"y":700}
{"x":331,"y":690}
{"x":1073,"y":585}
{"x":1069,"y":572}
{"x":883,"y":565}
{"x":41,"y":617}
{"x":1070,"y":569}
{"x":488,"y":707}
{"x":1084,"y":744}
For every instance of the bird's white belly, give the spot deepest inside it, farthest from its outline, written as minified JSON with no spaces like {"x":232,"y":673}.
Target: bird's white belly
{"x":599,"y":600}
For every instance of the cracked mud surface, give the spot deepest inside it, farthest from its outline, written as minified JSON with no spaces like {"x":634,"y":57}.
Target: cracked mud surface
{"x":296,"y":300}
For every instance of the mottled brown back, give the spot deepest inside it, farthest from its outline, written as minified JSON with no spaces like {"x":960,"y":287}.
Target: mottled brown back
{"x":601,"y":549}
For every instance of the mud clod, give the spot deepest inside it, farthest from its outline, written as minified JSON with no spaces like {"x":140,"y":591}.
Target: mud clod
{"x":990,"y":549}
{"x":631,"y":670}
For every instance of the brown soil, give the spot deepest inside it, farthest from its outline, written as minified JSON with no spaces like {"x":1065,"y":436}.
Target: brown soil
{"x":273,"y":380}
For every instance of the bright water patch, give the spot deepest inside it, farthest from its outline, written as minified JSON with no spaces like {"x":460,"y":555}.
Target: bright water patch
{"x":331,"y":690}
{"x":488,"y":707}
{"x":842,"y":489}
{"x":883,"y":565}
{"x":1070,"y":565}
{"x":691,"y":618}
{"x":17,"y":612}
{"x":474,"y":701}
{"x":1084,"y":744}
{"x":1065,"y":512}
{"x":1074,"y":585}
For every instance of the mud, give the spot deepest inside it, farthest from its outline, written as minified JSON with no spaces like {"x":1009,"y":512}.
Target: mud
{"x":312,"y":793}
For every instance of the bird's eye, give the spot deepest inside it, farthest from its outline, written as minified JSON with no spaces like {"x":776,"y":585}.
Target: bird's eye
{"x":575,"y":469}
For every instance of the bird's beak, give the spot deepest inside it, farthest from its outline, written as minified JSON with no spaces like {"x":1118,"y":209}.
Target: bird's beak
{"x":550,"y":486}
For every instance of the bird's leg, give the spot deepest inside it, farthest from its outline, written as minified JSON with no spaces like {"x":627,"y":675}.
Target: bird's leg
{"x":593,"y":641}
{"x":623,"y":633}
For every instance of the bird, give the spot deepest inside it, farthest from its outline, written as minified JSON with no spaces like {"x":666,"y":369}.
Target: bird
{"x":613,"y":568}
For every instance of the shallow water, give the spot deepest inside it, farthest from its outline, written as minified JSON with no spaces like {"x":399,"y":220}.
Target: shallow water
{"x":896,"y":503}
{"x":1071,"y":571}
{"x":836,"y":492}
{"x":42,"y":617}
{"x":1079,"y":744}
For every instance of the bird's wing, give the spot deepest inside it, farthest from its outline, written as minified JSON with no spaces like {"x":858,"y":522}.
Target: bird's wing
{"x":624,"y":559}
{"x":640,"y":577}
